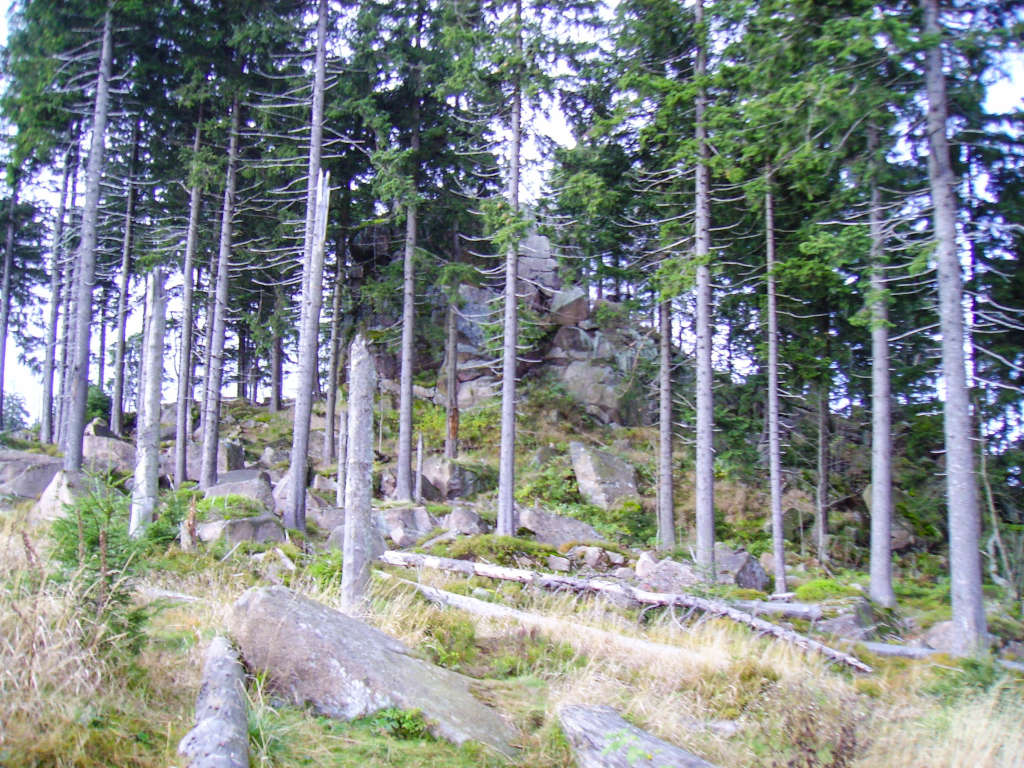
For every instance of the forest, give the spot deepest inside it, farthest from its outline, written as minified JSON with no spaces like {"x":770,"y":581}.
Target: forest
{"x":764,"y":250}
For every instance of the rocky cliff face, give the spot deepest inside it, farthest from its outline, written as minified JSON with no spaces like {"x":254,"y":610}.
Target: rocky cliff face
{"x":584,"y":345}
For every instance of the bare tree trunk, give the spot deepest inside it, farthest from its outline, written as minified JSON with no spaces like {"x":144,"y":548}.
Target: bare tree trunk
{"x":46,"y":426}
{"x":358,"y":550}
{"x":147,"y":431}
{"x":182,"y":438}
{"x":317,"y":192}
{"x":774,"y":449}
{"x":5,"y":300}
{"x":215,"y":368}
{"x":961,"y":483}
{"x":117,"y":400}
{"x":276,"y":354}
{"x":451,"y":441}
{"x":331,"y":413}
{"x":339,"y":494}
{"x":705,"y":499}
{"x":507,"y":518}
{"x":880,"y":588}
{"x":821,"y":492}
{"x":87,"y":256}
{"x":403,"y":472}
{"x":666,"y":499}
{"x":242,"y":363}
{"x":102,"y":356}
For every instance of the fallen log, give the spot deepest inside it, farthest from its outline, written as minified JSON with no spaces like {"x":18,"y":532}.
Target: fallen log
{"x":551,"y":624}
{"x":600,"y":738}
{"x":622,"y":592}
{"x":220,"y":738}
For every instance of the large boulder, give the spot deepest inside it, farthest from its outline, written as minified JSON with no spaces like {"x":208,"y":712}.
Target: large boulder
{"x":537,"y":271}
{"x":463,"y":519}
{"x":406,"y":524}
{"x":108,"y":454}
{"x":26,"y":474}
{"x":570,"y":306}
{"x":453,"y":479}
{"x":666,"y":575}
{"x":345,"y":669}
{"x":250,"y":483}
{"x":555,"y":530}
{"x":259,"y":529}
{"x":604,"y":479}
{"x":283,"y":488}
{"x":598,"y":387}
{"x":601,"y":738}
{"x":739,"y":567}
{"x":62,"y":491}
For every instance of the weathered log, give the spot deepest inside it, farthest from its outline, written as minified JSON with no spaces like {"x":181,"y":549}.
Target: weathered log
{"x":600,"y":738}
{"x":220,"y":738}
{"x":622,"y":592}
{"x":551,"y":624}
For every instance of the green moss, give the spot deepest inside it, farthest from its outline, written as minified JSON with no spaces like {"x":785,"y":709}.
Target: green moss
{"x":817,"y":590}
{"x":503,"y":550}
{"x":228,"y":507}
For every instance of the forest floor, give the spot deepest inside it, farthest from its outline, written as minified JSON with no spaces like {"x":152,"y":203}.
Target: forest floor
{"x":101,"y":647}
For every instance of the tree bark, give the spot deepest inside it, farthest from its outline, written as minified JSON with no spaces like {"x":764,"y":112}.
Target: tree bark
{"x":331,"y":412}
{"x":117,"y":400}
{"x":183,"y":416}
{"x":666,"y":499}
{"x":5,"y":296}
{"x":880,"y":587}
{"x":342,"y":472}
{"x":67,"y":335}
{"x":507,"y":522}
{"x":317,"y":192}
{"x":147,"y":431}
{"x":821,"y":491}
{"x":358,"y":550}
{"x":705,"y":470}
{"x":87,"y":256}
{"x":961,"y":483}
{"x":220,"y":738}
{"x":774,"y":449}
{"x":46,"y":425}
{"x":451,"y":440}
{"x":215,"y":368}
{"x":276,"y":354}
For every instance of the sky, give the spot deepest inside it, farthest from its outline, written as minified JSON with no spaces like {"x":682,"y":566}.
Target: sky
{"x":1005,"y":94}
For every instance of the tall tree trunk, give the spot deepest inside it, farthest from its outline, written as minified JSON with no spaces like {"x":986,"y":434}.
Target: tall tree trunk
{"x":147,"y":441}
{"x":183,"y":415}
{"x":403,"y":473}
{"x":705,"y":499}
{"x":880,"y":587}
{"x":117,"y":400}
{"x":101,"y":358}
{"x":67,"y":334}
{"x":821,"y":492}
{"x":774,"y":449}
{"x":317,"y":191}
{"x":5,"y":299}
{"x":87,"y":256}
{"x":46,"y":426}
{"x":507,"y":518}
{"x":211,"y":310}
{"x":331,"y":413}
{"x":961,"y":483}
{"x":358,"y":550}
{"x":215,"y":369}
{"x":451,"y":440}
{"x":242,"y":363}
{"x":666,"y":498}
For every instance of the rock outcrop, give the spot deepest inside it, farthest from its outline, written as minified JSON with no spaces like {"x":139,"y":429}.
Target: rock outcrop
{"x":345,"y":669}
{"x":250,"y":483}
{"x":108,"y":454}
{"x":26,"y":474}
{"x":741,"y":568}
{"x":556,"y":530}
{"x":260,"y":529}
{"x":603,"y":478}
{"x":601,"y":738}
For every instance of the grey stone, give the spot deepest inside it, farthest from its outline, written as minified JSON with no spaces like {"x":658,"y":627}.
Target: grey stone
{"x":230,"y":456}
{"x":272,"y":456}
{"x":603,"y":478}
{"x":600,"y":738}
{"x":280,"y":496}
{"x":556,"y":530}
{"x":902,"y":536}
{"x":594,"y":558}
{"x":463,"y":519}
{"x":671,"y":576}
{"x":344,"y":669}
{"x":99,"y":427}
{"x":739,"y":567}
{"x":250,"y":483}
{"x":625,"y":573}
{"x":61,"y":492}
{"x":558,"y":563}
{"x":258,"y":529}
{"x":615,"y":558}
{"x":942,"y":637}
{"x":26,"y":474}
{"x":570,"y":306}
{"x":326,"y":518}
{"x":108,"y":454}
{"x":598,"y":388}
{"x":645,"y":565}
{"x":453,"y":479}
{"x":406,"y":524}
